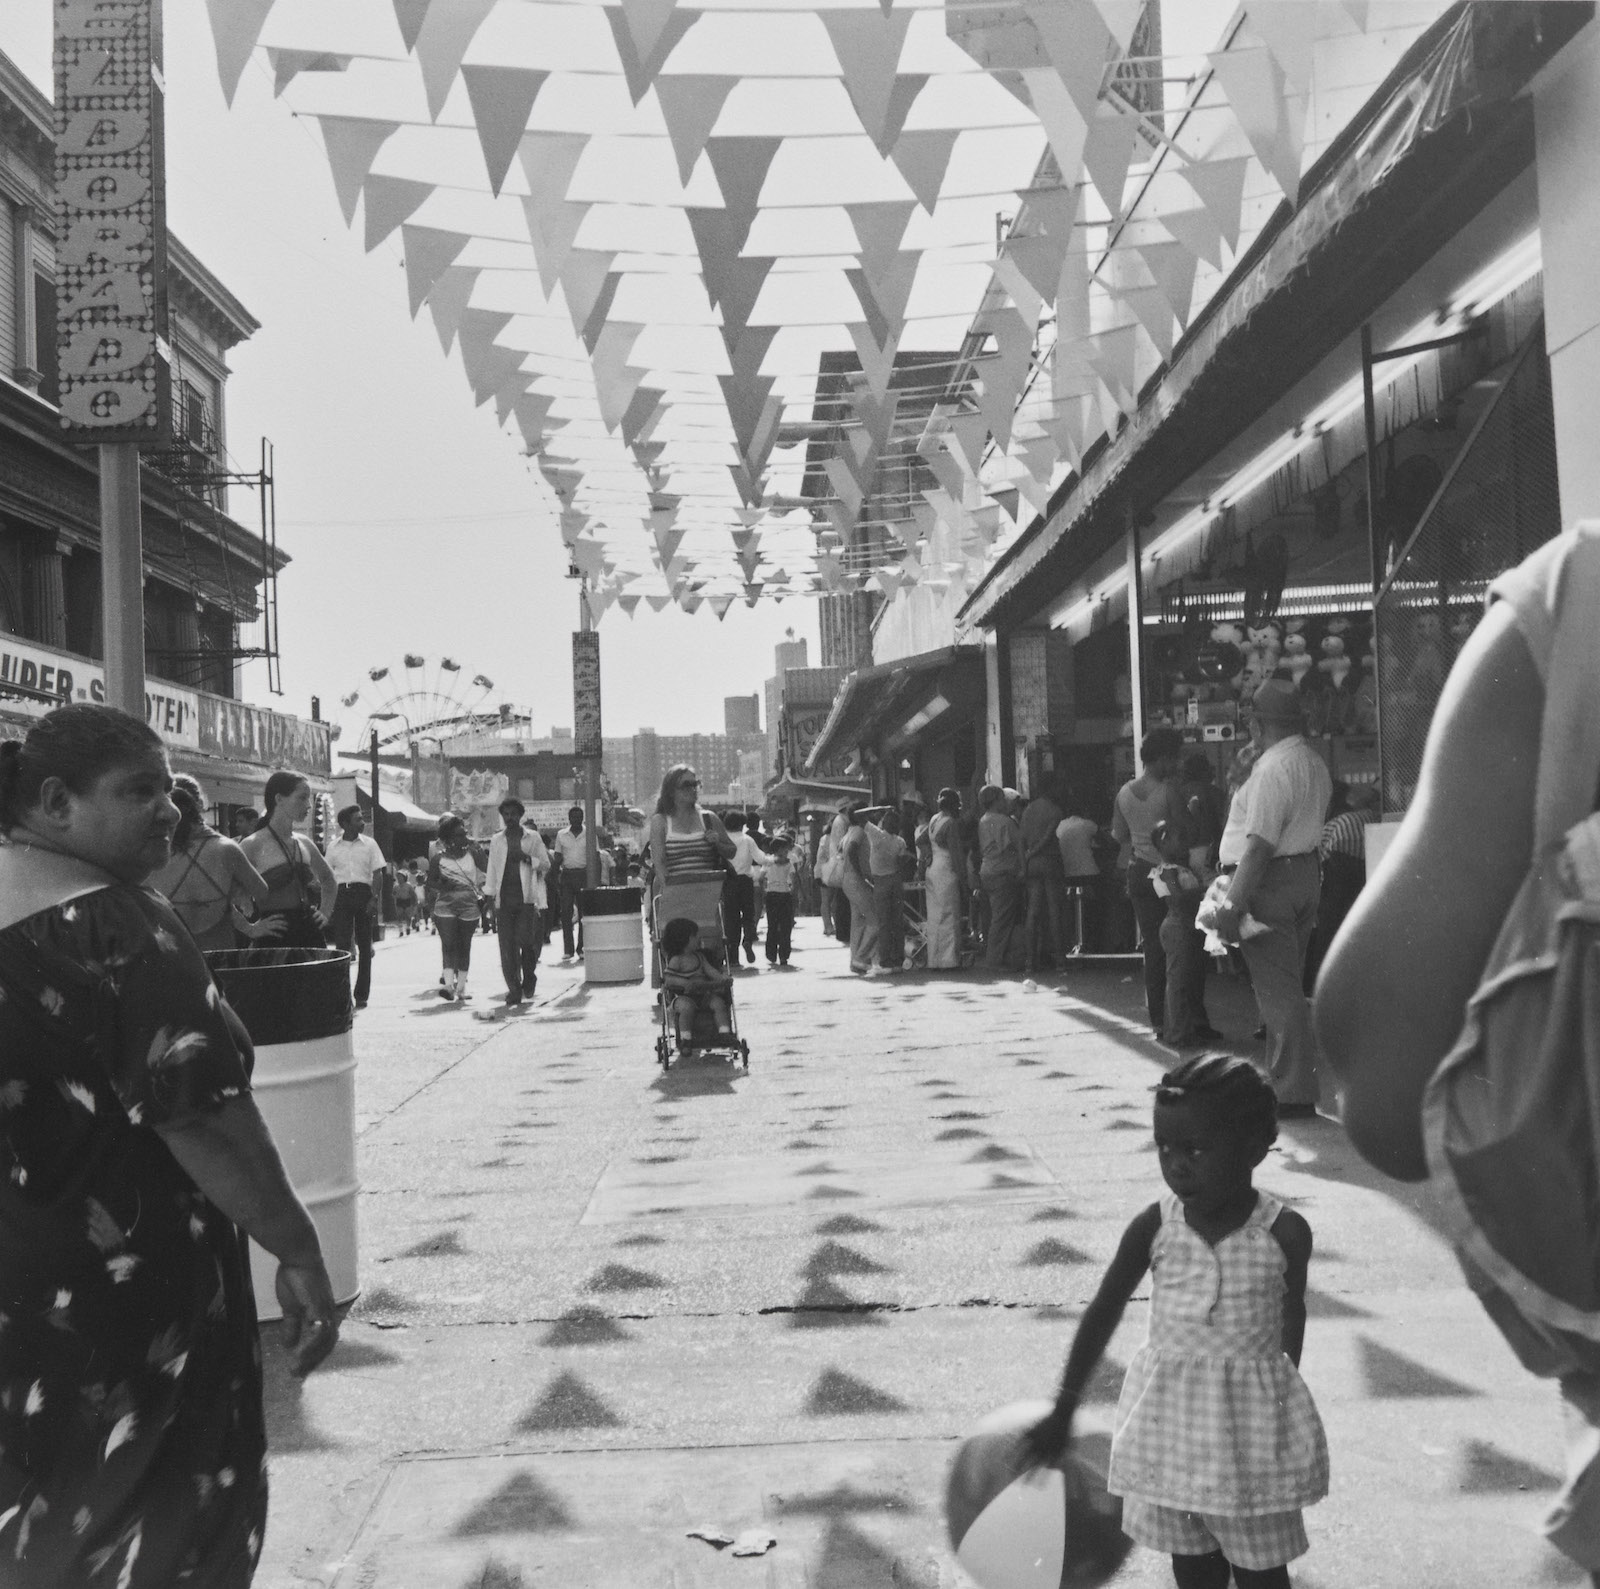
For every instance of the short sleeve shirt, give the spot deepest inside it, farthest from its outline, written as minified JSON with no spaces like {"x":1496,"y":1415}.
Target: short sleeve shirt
{"x":1284,"y":801}
{"x":573,"y":848}
{"x":355,"y":860}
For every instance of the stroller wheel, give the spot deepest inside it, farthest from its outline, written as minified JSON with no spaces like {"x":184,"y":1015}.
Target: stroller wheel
{"x":663,"y":1053}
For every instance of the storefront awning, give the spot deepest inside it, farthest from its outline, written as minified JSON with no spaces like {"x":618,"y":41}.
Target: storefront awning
{"x":396,"y":807}
{"x":1445,"y":134}
{"x":815,"y":794}
{"x":888,"y":701}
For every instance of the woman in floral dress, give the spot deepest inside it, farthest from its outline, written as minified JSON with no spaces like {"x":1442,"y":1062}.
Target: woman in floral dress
{"x":132,"y":1162}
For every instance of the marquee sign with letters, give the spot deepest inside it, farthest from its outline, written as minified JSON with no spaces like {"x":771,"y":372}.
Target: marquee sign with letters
{"x":111,"y":227}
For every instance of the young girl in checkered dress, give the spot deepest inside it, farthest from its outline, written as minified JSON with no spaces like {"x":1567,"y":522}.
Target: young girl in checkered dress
{"x":1217,"y":1444}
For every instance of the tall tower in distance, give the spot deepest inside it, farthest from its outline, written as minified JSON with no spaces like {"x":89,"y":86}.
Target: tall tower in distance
{"x":741,"y":714}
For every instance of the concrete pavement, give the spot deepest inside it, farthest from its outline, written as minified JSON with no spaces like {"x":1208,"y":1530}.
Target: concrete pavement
{"x":603,"y":1306}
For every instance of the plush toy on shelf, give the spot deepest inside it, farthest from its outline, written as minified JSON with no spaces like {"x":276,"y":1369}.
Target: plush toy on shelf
{"x":1334,"y":665}
{"x":1295,"y":662}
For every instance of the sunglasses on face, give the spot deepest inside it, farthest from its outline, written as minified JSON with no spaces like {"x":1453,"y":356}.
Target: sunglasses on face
{"x":689,"y":783}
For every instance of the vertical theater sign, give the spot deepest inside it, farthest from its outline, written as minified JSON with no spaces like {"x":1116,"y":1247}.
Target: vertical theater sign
{"x":111,"y":226}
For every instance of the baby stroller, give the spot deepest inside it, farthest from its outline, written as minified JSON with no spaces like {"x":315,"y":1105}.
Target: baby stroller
{"x":698,"y":898}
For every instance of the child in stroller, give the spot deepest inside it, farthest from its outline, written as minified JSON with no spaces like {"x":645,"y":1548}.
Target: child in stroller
{"x":694,"y":983}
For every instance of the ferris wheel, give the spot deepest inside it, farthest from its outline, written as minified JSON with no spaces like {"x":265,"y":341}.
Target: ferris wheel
{"x":422,"y":698}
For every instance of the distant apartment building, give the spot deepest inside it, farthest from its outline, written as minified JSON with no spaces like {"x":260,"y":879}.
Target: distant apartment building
{"x":741,"y":714}
{"x":790,"y":653}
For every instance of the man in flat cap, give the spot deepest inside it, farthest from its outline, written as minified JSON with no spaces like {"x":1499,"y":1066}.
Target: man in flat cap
{"x":1270,"y":843}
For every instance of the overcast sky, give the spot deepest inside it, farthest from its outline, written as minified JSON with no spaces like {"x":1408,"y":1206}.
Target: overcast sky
{"x":414,"y":524}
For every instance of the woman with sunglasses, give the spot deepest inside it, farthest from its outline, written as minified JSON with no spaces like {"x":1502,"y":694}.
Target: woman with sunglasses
{"x":683,"y":838}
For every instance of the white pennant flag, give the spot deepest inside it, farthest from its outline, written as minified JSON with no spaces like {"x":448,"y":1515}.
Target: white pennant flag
{"x":235,"y":27}
{"x":1272,"y":119}
{"x":1172,"y":265}
{"x":352,"y":143}
{"x":1219,"y":185}
{"x":1198,"y":231}
{"x":1064,"y":124}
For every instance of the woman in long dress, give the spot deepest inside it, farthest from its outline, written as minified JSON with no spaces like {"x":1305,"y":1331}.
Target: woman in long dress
{"x":1000,"y":874}
{"x":133,"y":1161}
{"x":947,"y":870}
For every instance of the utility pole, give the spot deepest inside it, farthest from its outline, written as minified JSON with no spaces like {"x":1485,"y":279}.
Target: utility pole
{"x":586,"y":725}
{"x":111,"y":289}
{"x":376,"y":831}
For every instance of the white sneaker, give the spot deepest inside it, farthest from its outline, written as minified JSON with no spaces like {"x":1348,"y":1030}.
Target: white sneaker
{"x":878,"y":971}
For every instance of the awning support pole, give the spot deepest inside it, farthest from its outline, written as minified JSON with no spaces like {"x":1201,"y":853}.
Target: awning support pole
{"x":1135,"y":638}
{"x":1375,"y":549}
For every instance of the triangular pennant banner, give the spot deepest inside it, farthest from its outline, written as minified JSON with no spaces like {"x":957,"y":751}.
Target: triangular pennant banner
{"x":690,"y":107}
{"x":646,"y":19}
{"x":868,"y":48}
{"x":352,"y":143}
{"x":658,"y":603}
{"x":1198,"y":231}
{"x":502,"y":101}
{"x":1219,"y":185}
{"x":628,"y":603}
{"x":235,"y":27}
{"x":1064,"y":124}
{"x":1290,"y":32}
{"x":553,"y":229}
{"x":410,"y":14}
{"x":615,"y":379}
{"x":448,"y":299}
{"x":442,"y":40}
{"x":741,"y":166}
{"x":922,"y":158}
{"x":1079,"y":45}
{"x":548,"y":160}
{"x":1107,"y":152}
{"x":388,"y":201}
{"x":1172,"y":265}
{"x":877,"y":362}
{"x":902,"y":96}
{"x":583,"y":278}
{"x":1040,"y":260}
{"x":600,"y":310}
{"x":879,"y":230}
{"x":1121,"y":17}
{"x":640,"y":419}
{"x":1270,"y":118}
{"x":289,"y":64}
{"x":531,"y":412}
{"x":640,"y":69}
{"x":429,"y":253}
{"x":1155,"y":315}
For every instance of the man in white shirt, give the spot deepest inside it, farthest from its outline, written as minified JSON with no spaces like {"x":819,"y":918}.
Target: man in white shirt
{"x":357,"y":865}
{"x":572,"y":845}
{"x":740,"y":899}
{"x":1270,"y":845}
{"x":514,"y":880}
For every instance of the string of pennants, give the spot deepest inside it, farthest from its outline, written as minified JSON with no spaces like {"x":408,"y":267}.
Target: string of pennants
{"x":640,"y":260}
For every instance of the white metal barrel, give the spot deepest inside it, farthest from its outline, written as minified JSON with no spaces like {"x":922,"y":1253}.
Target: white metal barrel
{"x":613,"y":935}
{"x":295,"y":1003}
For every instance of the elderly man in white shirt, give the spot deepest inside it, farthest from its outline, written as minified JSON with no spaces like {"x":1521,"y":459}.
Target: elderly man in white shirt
{"x":518,"y":862}
{"x":1270,"y":844}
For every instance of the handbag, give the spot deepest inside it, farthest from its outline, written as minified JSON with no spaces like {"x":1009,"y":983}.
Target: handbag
{"x":1511,"y":1117}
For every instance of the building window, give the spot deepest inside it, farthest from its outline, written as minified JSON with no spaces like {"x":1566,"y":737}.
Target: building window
{"x":44,"y":337}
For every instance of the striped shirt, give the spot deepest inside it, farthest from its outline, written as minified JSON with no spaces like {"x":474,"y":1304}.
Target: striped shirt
{"x":1346,"y":834}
